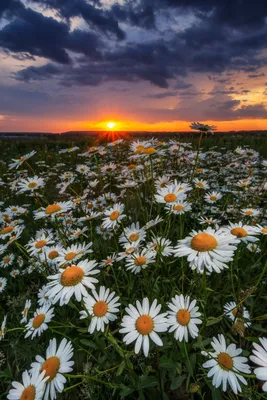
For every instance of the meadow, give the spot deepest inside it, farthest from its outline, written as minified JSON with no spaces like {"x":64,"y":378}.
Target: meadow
{"x":134,"y":269}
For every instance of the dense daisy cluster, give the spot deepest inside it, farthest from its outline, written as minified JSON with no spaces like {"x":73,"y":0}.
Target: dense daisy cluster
{"x":150,"y":249}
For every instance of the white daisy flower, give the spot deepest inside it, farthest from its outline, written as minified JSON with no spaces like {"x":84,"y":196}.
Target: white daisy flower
{"x":250,"y":212}
{"x":259,"y":357}
{"x":102,"y":307}
{"x":179,"y":208}
{"x":3,"y":328}
{"x":25,"y":311}
{"x":201,"y":184}
{"x":3,"y":282}
{"x":170,"y":194}
{"x":225,"y":365}
{"x":43,"y":299}
{"x":231,"y":310}
{"x":38,"y":245}
{"x":30,"y":184}
{"x":7,"y":260}
{"x":73,"y":253}
{"x":18,"y":162}
{"x":262,"y":229}
{"x":54,"y":209}
{"x":38,"y":324}
{"x":208,"y":249}
{"x":32,"y":387}
{"x":134,"y":234}
{"x":139,"y":260}
{"x":245,"y":233}
{"x":57,"y":362}
{"x":72,"y":281}
{"x":183,"y":317}
{"x":161,"y":246}
{"x":113,"y":216}
{"x":142,"y":323}
{"x":253,"y":248}
{"x":212,"y":197}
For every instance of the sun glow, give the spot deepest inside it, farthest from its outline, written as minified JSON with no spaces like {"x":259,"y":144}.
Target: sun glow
{"x":111,"y":125}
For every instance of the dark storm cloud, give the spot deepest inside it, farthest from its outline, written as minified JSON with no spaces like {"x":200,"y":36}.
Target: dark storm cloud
{"x":33,"y":33}
{"x":95,"y":17}
{"x":252,"y":76}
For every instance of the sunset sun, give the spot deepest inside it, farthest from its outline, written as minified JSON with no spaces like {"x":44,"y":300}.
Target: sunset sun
{"x":111,"y":125}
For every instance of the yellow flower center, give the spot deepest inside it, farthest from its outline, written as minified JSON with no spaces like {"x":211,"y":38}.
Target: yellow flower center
{"x":1,"y":284}
{"x":7,"y":229}
{"x":133,"y":237}
{"x":183,"y":317}
{"x":53,"y":254}
{"x":239,"y":232}
{"x":225,"y":361}
{"x":53,"y":208}
{"x":204,"y":242}
{"x":200,"y":184}
{"x":178,"y":207}
{"x":32,"y":185}
{"x":114,"y":215}
{"x":70,"y":256}
{"x":6,"y":260}
{"x":28,"y":393}
{"x":264,"y":230}
{"x":170,"y":197}
{"x":199,"y":170}
{"x":51,"y":367}
{"x":89,"y":206}
{"x":144,"y":324}
{"x":38,"y":320}
{"x":72,"y":276}
{"x":40,"y":244}
{"x":140,"y":261}
{"x":149,"y":150}
{"x":249,"y":212}
{"x":132,"y":166}
{"x":100,"y":308}
{"x":213,"y":197}
{"x":108,"y":261}
{"x":25,"y":311}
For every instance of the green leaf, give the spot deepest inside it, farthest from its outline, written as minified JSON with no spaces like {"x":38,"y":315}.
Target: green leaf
{"x":167,"y":363}
{"x":177,"y":382}
{"x":89,"y":343}
{"x":147,"y":381}
{"x":126,"y":391}
{"x":213,"y":320}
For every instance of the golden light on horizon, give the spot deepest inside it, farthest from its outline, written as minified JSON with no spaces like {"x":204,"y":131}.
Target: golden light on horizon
{"x":111,"y":125}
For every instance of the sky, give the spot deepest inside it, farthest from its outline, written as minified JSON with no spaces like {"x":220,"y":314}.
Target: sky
{"x":152,"y":65}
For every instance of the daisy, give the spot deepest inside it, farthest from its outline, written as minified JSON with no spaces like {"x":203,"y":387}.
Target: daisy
{"x":43,"y":299}
{"x":134,"y":234}
{"x":3,"y":282}
{"x":25,"y":311}
{"x":137,"y":261}
{"x":183,"y":317}
{"x":54,"y":209}
{"x":262,"y":229}
{"x":231,"y":310}
{"x":161,"y":246}
{"x":51,"y":253}
{"x":208,"y":249}
{"x":109,"y":261}
{"x":38,"y":324}
{"x":32,"y":387}
{"x":245,"y":233}
{"x":179,"y":208}
{"x":7,"y":260}
{"x":142,"y":323}
{"x":113,"y":216}
{"x":73,"y":253}
{"x":18,"y":162}
{"x":3,"y":328}
{"x":259,"y":357}
{"x":57,"y":362}
{"x":212,"y":197}
{"x":254,"y":248}
{"x":102,"y":307}
{"x":38,"y":245}
{"x":201,"y":184}
{"x":250,"y":212}
{"x":169,"y":194}
{"x":71,"y":281}
{"x":30,"y":184}
{"x":153,"y":222}
{"x":225,"y":363}
{"x":208,"y":221}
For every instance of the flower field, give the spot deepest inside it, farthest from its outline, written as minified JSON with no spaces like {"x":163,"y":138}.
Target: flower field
{"x":134,"y":269}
